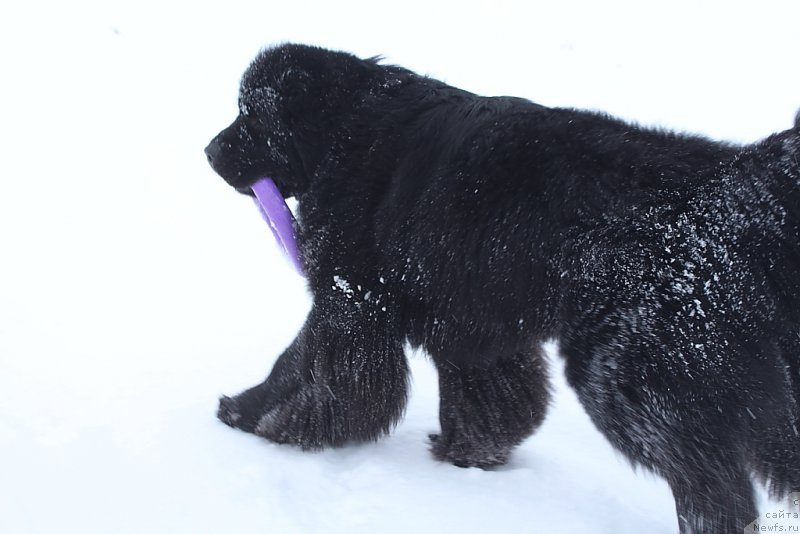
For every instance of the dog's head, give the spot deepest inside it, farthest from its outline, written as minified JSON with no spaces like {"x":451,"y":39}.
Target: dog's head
{"x":291,"y":101}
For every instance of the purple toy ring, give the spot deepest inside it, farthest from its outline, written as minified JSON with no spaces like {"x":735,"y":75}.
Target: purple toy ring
{"x":274,"y":210}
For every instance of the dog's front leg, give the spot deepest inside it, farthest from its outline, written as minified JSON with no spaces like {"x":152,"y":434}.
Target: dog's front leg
{"x":343,"y":379}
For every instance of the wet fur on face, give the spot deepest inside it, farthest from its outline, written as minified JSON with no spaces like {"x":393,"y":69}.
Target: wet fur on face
{"x":666,"y":265}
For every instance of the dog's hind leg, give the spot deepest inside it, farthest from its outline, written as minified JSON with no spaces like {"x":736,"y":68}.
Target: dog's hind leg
{"x":713,"y":492}
{"x":675,"y":408}
{"x":775,"y":448}
{"x":343,"y":379}
{"x":488,"y":409}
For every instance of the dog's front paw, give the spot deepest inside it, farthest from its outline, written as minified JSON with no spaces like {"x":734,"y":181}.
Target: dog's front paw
{"x":307,"y":419}
{"x":466,"y":454}
{"x":228,"y":411}
{"x":242,"y":411}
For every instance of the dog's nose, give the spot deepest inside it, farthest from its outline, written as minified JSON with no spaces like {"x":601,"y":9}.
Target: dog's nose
{"x":212,"y":152}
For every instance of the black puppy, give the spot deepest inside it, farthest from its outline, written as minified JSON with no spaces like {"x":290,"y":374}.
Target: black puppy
{"x":667,"y":266}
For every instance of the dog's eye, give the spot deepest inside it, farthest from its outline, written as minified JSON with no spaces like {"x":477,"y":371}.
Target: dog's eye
{"x":247,"y":111}
{"x":252,"y":122}
{"x":247,"y":116}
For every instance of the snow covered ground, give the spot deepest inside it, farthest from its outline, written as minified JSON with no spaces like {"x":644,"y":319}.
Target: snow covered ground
{"x":135,"y":287}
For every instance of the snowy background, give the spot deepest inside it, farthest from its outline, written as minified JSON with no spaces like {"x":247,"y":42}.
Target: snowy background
{"x":135,"y":286}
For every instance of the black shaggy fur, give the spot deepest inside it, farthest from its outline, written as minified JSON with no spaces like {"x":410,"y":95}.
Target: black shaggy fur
{"x":667,"y":266}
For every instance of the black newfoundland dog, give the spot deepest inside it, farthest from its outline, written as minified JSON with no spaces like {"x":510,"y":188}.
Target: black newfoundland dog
{"x":667,"y":266}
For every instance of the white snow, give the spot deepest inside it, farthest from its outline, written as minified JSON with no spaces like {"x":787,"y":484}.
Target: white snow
{"x":135,"y":286}
{"x":342,"y":285}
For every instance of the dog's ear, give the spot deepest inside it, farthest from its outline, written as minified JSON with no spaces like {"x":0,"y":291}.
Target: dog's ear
{"x":300,"y":92}
{"x":797,"y":119}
